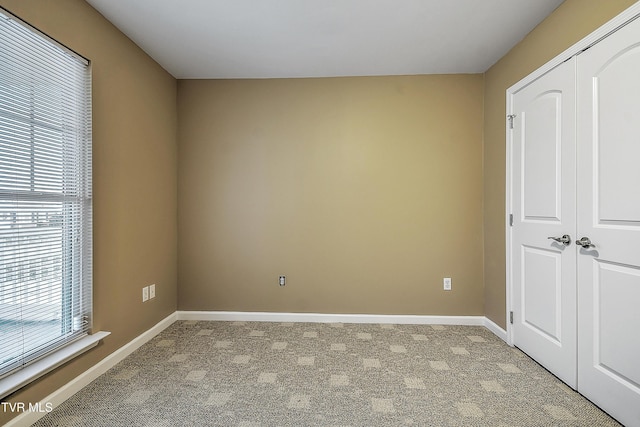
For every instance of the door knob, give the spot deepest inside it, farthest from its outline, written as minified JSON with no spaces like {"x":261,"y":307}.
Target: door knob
{"x":565,"y":239}
{"x":585,"y":242}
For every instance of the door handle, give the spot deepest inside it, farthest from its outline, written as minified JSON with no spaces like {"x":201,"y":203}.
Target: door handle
{"x":565,"y":239}
{"x":585,"y":242}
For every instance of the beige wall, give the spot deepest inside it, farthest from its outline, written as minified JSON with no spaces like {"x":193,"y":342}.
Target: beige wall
{"x":134,"y":166}
{"x":571,"y":22}
{"x":365,"y":192}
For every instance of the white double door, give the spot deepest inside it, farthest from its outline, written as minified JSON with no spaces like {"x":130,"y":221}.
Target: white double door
{"x":575,"y":156}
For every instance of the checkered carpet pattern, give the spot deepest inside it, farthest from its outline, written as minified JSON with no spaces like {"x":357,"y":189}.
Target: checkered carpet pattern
{"x":243,"y":374}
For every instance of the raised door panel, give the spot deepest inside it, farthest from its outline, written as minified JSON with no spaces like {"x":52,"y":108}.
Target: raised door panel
{"x":616,"y":296}
{"x":542,"y":293}
{"x":616,"y":90}
{"x":541,"y":150}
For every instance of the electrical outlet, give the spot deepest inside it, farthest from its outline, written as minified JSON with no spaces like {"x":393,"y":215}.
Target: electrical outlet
{"x":447,"y":283}
{"x":152,"y":291}
{"x":145,"y":293}
{"x":282,"y":281}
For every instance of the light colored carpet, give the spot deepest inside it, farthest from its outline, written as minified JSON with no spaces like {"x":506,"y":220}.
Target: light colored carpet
{"x":309,"y":374}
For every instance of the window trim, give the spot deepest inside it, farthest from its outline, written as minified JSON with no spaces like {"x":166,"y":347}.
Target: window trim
{"x":46,"y":364}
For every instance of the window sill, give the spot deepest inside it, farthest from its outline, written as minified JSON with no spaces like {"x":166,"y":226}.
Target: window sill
{"x":39,"y":368}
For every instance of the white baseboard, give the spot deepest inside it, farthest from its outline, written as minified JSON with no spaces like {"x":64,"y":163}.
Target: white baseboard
{"x":72,"y":387}
{"x":497,"y":330}
{"x":330,"y":318}
{"x":248,"y":316}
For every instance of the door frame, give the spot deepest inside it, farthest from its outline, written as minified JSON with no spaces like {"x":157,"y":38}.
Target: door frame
{"x":614,"y":24}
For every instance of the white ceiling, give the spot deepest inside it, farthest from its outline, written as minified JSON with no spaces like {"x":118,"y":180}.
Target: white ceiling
{"x":197,"y":39}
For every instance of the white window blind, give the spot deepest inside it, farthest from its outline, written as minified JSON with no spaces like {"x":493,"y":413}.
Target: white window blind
{"x":45,"y":195}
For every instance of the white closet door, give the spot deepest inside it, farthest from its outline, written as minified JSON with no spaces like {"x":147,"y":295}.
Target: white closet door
{"x":544,"y":206}
{"x":608,"y":175}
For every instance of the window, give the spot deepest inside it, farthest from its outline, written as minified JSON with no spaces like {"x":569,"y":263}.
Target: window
{"x":45,"y":195}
